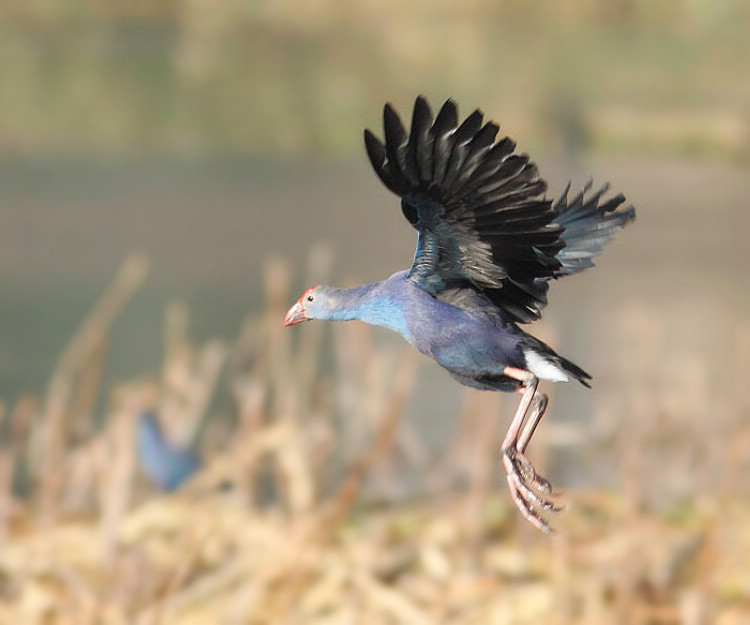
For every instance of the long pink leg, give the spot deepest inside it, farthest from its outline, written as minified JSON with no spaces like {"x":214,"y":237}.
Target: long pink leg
{"x":538,"y":407}
{"x":521,"y":475}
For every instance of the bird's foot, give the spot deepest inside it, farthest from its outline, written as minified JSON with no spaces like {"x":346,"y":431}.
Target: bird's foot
{"x":527,"y":488}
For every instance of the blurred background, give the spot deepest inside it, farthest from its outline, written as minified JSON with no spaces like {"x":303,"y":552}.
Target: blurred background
{"x":173,"y":174}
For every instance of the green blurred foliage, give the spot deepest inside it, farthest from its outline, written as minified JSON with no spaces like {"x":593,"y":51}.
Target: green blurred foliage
{"x":289,"y":76}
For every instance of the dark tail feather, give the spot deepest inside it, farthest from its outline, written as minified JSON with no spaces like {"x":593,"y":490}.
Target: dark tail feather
{"x":588,"y":226}
{"x":574,"y":370}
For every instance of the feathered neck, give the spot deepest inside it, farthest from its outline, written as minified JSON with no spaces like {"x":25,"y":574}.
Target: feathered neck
{"x":375,"y":303}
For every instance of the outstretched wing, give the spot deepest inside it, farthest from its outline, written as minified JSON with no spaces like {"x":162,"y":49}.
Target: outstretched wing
{"x":484,"y":223}
{"x":588,"y":225}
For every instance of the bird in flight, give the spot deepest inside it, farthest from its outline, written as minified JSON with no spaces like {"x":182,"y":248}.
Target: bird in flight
{"x":488,"y":243}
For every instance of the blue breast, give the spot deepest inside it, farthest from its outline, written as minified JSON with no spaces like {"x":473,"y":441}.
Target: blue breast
{"x":467,"y":343}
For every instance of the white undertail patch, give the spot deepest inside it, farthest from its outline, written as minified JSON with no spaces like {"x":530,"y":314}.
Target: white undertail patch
{"x":543,"y":368}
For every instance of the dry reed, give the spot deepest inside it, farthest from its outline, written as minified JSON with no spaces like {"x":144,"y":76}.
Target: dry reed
{"x":299,"y":514}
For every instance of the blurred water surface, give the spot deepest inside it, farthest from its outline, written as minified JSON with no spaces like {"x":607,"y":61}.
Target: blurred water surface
{"x":216,"y":139}
{"x":208,"y":225}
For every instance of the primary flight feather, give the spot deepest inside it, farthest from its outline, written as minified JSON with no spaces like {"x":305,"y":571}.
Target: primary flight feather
{"x":488,"y":243}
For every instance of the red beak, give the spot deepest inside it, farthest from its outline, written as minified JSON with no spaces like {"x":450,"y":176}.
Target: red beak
{"x":296,"y":314}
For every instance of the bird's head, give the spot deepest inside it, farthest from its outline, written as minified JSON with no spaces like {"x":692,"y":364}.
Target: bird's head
{"x":318,"y":302}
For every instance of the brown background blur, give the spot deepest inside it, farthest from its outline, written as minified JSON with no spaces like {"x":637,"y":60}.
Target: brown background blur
{"x":212,"y":134}
{"x":221,"y":140}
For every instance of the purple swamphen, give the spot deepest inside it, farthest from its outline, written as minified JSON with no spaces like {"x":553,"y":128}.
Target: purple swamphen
{"x":166,"y":465}
{"x":489,"y":241}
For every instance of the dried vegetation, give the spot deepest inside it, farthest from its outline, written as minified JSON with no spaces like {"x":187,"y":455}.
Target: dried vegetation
{"x":302,"y":516}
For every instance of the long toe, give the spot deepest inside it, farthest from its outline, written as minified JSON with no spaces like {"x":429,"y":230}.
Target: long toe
{"x":528,"y":493}
{"x":539,"y":482}
{"x":527,"y":509}
{"x":527,"y":488}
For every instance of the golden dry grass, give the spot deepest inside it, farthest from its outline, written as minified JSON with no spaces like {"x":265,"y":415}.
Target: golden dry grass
{"x":289,"y":521}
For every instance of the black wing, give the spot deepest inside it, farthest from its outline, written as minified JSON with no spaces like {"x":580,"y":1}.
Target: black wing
{"x":588,"y":225}
{"x":483,"y":221}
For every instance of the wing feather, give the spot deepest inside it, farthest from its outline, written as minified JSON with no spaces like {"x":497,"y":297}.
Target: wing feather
{"x":395,"y":148}
{"x":419,"y":149}
{"x":443,"y":130}
{"x":462,"y":138}
{"x":379,"y":160}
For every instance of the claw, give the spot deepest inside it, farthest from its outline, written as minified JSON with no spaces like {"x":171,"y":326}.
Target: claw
{"x":543,"y":485}
{"x":528,"y":512}
{"x":527,"y":469}
{"x":540,"y":483}
{"x":519,"y":483}
{"x":524,"y":482}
